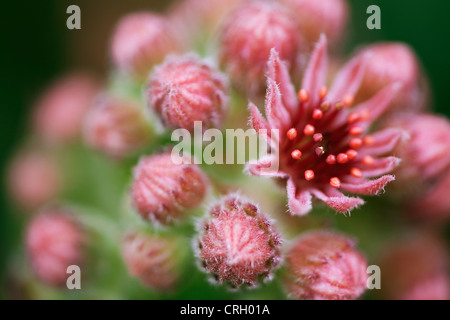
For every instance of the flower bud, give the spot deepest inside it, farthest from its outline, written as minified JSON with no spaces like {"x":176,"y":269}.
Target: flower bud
{"x":60,"y":111}
{"x":248,"y":35}
{"x":54,"y":242}
{"x":33,"y":179}
{"x":154,"y":260}
{"x":317,"y":17}
{"x":388,"y":63}
{"x":415,"y":269}
{"x":185,"y":89}
{"x":116,"y":126}
{"x":325,"y":266}
{"x":237,"y":243}
{"x":163,"y":191}
{"x":140,"y":41}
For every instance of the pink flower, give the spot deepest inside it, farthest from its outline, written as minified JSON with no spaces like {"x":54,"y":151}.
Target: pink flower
{"x":248,"y":35}
{"x":415,"y":268}
{"x":164,"y":191}
{"x":142,"y":40}
{"x":185,"y":89}
{"x":54,"y":242}
{"x":324,"y":145}
{"x":317,"y":17}
{"x":325,"y":266}
{"x":60,"y":111}
{"x":34,"y":179}
{"x":152,"y":259}
{"x":237,"y":243}
{"x":116,"y":126}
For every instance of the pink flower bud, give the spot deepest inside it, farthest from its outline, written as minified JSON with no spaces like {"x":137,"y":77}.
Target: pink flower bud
{"x":185,"y":89}
{"x":142,"y":40}
{"x":54,"y":242}
{"x":388,"y":63}
{"x":238,"y":244}
{"x":247,"y":37}
{"x":154,"y":260}
{"x":163,"y":191}
{"x":325,"y":265}
{"x":33,"y":179}
{"x":116,"y":126}
{"x":415,"y":269}
{"x":316,"y":17}
{"x":61,"y":109}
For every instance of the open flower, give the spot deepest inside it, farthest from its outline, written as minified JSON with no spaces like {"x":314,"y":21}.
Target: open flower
{"x":323,"y":145}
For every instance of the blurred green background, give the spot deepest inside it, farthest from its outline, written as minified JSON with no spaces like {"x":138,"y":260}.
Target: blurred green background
{"x":36,"y":47}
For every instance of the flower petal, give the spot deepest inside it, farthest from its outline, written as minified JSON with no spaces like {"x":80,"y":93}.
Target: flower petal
{"x":276,"y":113}
{"x":368,"y":187}
{"x":265,"y":167}
{"x":280,"y":74}
{"x":348,"y":79}
{"x":316,"y":71}
{"x":338,"y":201}
{"x":257,"y":120}
{"x":380,"y":167}
{"x":384,"y":142}
{"x":299,"y":204}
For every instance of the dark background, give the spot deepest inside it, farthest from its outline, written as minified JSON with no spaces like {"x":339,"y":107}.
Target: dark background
{"x":36,"y":47}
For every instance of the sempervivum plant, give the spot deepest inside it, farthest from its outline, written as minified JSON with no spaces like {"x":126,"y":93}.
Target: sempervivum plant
{"x":124,"y":187}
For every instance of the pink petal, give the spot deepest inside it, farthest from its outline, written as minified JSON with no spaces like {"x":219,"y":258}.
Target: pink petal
{"x":381,"y":166}
{"x":384,"y":142}
{"x":276,"y":113}
{"x":257,"y":120}
{"x":337,"y":201}
{"x":262,"y":168}
{"x":316,"y":71}
{"x":280,"y":74}
{"x":348,"y":79}
{"x":368,"y":187}
{"x":299,"y":204}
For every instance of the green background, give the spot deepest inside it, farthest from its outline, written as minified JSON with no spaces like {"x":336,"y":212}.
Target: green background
{"x":36,"y":47}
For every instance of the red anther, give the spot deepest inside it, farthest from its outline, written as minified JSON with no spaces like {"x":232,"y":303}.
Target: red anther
{"x":309,"y":130}
{"x":353,"y":117}
{"x":365,"y":114}
{"x":335,"y":182}
{"x":356,"y":131}
{"x":323,"y":92}
{"x":368,"y":140}
{"x":291,"y":133}
{"x":309,"y":175}
{"x":331,"y":159}
{"x":325,"y":106}
{"x":319,"y":151}
{"x":357,"y":173}
{"x":318,"y":137}
{"x":356,"y":143}
{"x":342,"y":158}
{"x":348,"y":100}
{"x":317,"y":114}
{"x":296,"y":154}
{"x":351,"y":154}
{"x":368,"y":160}
{"x":303,"y":95}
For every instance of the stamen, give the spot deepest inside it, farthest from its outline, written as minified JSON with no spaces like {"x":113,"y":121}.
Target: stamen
{"x":368,"y":140}
{"x":368,"y":160}
{"x":317,"y":114}
{"x":303,"y":95}
{"x":331,"y":159}
{"x":323,"y":92}
{"x":335,"y":182}
{"x":309,"y":175}
{"x":353,"y":117}
{"x":291,"y":134}
{"x":356,"y":131}
{"x":357,"y":173}
{"x":342,"y":158}
{"x":309,"y":130}
{"x":319,"y":151}
{"x":339,"y":105}
{"x":351,"y":154}
{"x":296,"y":154}
{"x":325,"y":106}
{"x":348,"y":100}
{"x":318,"y":137}
{"x":355,"y":143}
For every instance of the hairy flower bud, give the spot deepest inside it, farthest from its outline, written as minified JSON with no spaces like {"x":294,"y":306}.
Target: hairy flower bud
{"x":116,"y":126}
{"x":248,"y":35}
{"x":60,"y":111}
{"x":163,"y":191}
{"x":185,"y":89}
{"x":54,"y":242}
{"x":237,"y":243}
{"x":33,"y":179}
{"x":154,"y":260}
{"x":142,"y":40}
{"x":325,"y":265}
{"x":317,"y":17}
{"x":415,"y":269}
